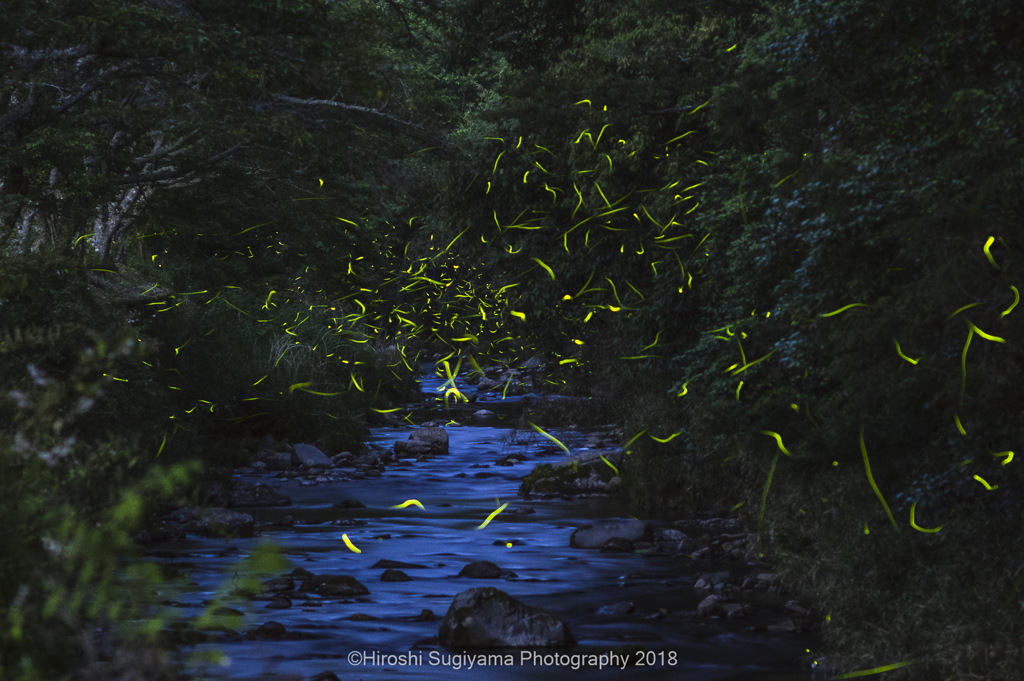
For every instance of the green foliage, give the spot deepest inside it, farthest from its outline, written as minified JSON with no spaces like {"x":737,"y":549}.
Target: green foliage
{"x":118,"y":111}
{"x":69,"y":501}
{"x":848,"y":153}
{"x":74,"y":488}
{"x":727,"y":216}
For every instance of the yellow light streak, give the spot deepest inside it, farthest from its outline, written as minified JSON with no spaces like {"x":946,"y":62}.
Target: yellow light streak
{"x":492,"y":516}
{"x":349,"y":544}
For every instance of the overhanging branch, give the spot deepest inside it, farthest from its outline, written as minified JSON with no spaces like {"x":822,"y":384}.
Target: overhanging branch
{"x":177,"y":174}
{"x":347,"y":107}
{"x":377,"y":113}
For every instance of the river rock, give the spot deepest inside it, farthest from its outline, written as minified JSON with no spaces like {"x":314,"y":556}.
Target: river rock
{"x":715,"y":580}
{"x":671,"y":535}
{"x":482,"y":569}
{"x":736,"y":611}
{"x":224,"y":611}
{"x":483,"y":414}
{"x":286,"y":583}
{"x":436,"y":436}
{"x":591,"y":460}
{"x":532,"y":363}
{"x":244,"y":494}
{"x":686,"y":545}
{"x":275,"y":461}
{"x":218,"y":493}
{"x":618,"y":545}
{"x":308,"y":455}
{"x":280,"y":603}
{"x":592,"y":474}
{"x":335,"y":586}
{"x":214,"y":522}
{"x":710,"y":606}
{"x":595,"y":536}
{"x":488,"y":385}
{"x":485,"y":617}
{"x":269,"y":630}
{"x":343,"y":459}
{"x":620,"y":608}
{"x":790,"y":626}
{"x":386,"y":563}
{"x":590,"y":483}
{"x":349,"y":503}
{"x":324,"y":676}
{"x":412,"y":449}
{"x":391,"y":575}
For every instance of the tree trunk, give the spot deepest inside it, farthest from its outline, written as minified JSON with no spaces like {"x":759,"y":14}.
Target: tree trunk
{"x":115,"y":219}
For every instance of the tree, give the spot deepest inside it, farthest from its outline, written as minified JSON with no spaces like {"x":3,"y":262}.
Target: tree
{"x":109,"y":104}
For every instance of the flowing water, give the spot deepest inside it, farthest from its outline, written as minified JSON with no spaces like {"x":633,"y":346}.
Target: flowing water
{"x":443,"y":537}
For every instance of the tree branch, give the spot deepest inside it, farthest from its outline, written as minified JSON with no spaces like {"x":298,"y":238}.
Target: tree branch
{"x":402,"y":15}
{"x":178,"y":174}
{"x":25,"y":58}
{"x":665,"y":112}
{"x":446,"y":144}
{"x":346,"y":107}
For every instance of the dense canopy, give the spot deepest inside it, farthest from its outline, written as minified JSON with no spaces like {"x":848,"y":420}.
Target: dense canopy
{"x":780,"y":234}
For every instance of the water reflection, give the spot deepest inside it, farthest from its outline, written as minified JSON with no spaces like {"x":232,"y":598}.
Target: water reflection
{"x":442,"y":537}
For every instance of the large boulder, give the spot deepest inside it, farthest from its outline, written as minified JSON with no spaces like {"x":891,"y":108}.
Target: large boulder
{"x":437,"y":436}
{"x":590,"y":460}
{"x":597,"y":535}
{"x":245,"y":494}
{"x":423,"y":442}
{"x":411,"y":449}
{"x":308,"y":455}
{"x":485,"y":617}
{"x":591,"y":473}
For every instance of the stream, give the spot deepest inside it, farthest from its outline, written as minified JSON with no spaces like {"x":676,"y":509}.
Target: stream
{"x":443,"y":537}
